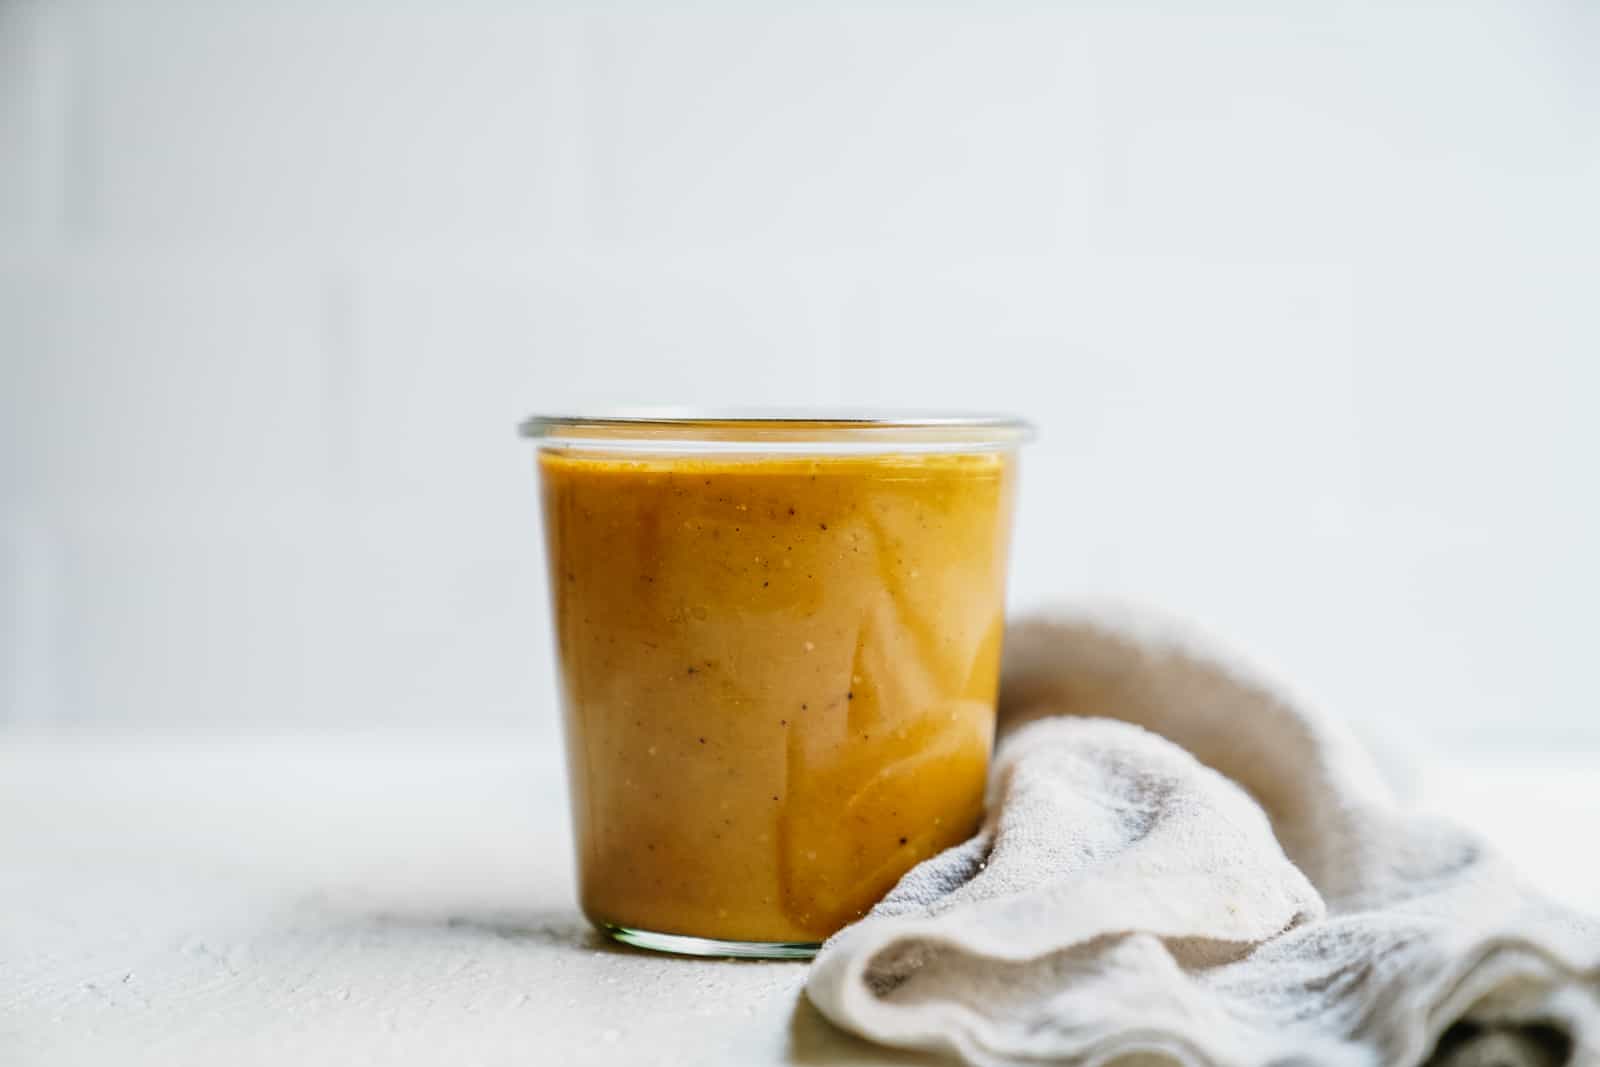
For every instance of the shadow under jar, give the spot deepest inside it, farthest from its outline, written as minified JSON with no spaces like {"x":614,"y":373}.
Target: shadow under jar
{"x":778,"y":640}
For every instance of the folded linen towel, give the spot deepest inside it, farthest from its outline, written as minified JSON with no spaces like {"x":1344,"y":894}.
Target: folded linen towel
{"x":1182,"y":865}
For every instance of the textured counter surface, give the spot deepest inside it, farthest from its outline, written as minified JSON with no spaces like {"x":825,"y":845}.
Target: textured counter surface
{"x":408,"y":899}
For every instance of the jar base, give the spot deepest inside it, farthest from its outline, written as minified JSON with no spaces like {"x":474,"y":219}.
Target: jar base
{"x":682,"y":945}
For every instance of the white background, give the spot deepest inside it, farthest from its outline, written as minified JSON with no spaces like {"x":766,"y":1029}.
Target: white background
{"x":1302,"y":295}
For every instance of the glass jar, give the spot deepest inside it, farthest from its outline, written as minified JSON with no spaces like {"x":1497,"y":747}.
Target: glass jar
{"x":778,"y":643}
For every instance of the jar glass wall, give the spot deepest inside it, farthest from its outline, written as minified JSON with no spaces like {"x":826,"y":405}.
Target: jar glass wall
{"x":778,"y":641}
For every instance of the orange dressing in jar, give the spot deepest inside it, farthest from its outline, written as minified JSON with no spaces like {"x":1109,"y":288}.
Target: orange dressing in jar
{"x":778,"y":673}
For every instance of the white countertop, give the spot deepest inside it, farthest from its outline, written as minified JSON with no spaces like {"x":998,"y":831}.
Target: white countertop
{"x":407,"y":900}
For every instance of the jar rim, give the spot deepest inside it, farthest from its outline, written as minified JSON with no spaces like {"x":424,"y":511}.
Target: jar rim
{"x":770,"y":427}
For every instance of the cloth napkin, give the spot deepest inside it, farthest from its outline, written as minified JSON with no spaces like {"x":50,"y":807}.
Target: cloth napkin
{"x":1182,"y":864}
